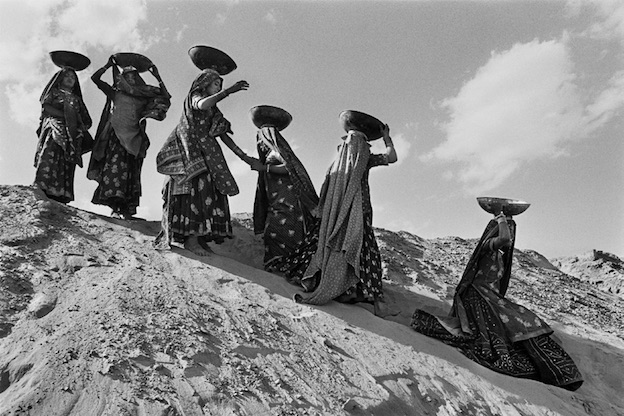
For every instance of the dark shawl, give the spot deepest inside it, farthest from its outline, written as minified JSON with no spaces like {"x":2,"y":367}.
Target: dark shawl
{"x":192,"y":148}
{"x":157,"y":103}
{"x":73,"y":136}
{"x":302,"y":184}
{"x":458,"y":310}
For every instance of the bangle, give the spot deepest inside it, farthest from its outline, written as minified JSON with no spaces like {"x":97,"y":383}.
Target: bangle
{"x":268,"y":168}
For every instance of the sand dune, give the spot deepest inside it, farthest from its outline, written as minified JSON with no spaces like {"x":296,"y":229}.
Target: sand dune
{"x":94,"y":321}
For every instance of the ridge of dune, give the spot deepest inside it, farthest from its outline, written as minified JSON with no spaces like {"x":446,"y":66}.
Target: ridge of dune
{"x":95,"y":321}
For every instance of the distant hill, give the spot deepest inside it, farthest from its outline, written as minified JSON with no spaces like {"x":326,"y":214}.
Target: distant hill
{"x":95,"y":321}
{"x":604,"y":270}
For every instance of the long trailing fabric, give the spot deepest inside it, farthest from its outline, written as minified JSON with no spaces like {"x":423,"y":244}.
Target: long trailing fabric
{"x":494,"y":331}
{"x":124,"y":116}
{"x":284,"y":204}
{"x":192,"y":147}
{"x":337,"y":257}
{"x":192,"y":158}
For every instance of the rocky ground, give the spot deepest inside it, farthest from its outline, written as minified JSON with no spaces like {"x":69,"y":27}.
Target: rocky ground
{"x":604,"y":270}
{"x":95,"y":321}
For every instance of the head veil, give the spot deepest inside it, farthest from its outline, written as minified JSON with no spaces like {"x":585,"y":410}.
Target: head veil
{"x":491,"y":231}
{"x":195,"y":135}
{"x":76,"y":117}
{"x":342,"y":222}
{"x":302,"y":184}
{"x":182,"y":154}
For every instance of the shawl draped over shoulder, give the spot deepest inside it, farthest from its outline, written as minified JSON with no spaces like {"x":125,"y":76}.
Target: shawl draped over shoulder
{"x":342,"y":222}
{"x":457,"y":319}
{"x":192,"y":148}
{"x":129,"y":127}
{"x":71,"y":134}
{"x":306,"y":194}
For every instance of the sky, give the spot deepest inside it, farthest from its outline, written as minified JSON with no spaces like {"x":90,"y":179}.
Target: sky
{"x":515,"y":99}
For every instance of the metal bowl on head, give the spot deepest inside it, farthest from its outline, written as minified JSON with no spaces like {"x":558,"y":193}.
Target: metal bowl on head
{"x":510,"y":207}
{"x":268,"y":115}
{"x":70,"y":59}
{"x":140,"y":62}
{"x":367,"y":124}
{"x":206,"y":57}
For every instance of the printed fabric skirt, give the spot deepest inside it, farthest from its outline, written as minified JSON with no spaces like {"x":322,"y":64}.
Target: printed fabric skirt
{"x":55,"y":175}
{"x":119,"y":179}
{"x":204,"y":212}
{"x":539,"y":358}
{"x":369,"y":286}
{"x":285,"y":222}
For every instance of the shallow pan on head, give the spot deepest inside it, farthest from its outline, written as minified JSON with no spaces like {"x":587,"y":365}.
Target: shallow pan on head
{"x":268,"y":115}
{"x":367,"y":124}
{"x":70,"y":59}
{"x":141,"y":62}
{"x":206,"y":57}
{"x":510,"y":207}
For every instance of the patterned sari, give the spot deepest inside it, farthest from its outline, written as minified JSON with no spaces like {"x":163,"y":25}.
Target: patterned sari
{"x":62,"y":140}
{"x":346,"y":264}
{"x":121,"y":141}
{"x":196,"y":193}
{"x":494,"y":331}
{"x":284,"y":203}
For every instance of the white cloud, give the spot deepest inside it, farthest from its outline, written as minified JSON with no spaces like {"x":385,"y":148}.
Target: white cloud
{"x":220,"y":19}
{"x":271,"y":17}
{"x":180,"y":33}
{"x":32,"y":28}
{"x":401,"y":145}
{"x":610,"y":15}
{"x":520,"y":106}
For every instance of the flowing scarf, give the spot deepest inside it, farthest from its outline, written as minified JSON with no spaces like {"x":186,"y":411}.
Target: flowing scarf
{"x":302,"y":184}
{"x":192,"y":148}
{"x":71,"y":134}
{"x":337,"y":257}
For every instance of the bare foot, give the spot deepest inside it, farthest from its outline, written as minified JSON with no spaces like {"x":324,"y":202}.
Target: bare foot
{"x":192,"y":245}
{"x":382,"y":310}
{"x":204,"y":244}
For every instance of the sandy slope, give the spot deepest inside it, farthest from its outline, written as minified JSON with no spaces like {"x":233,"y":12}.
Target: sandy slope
{"x":94,"y":321}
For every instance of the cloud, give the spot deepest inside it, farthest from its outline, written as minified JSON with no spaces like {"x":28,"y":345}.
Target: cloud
{"x":271,"y":17}
{"x":401,"y":145}
{"x":520,"y":106}
{"x":32,"y":28}
{"x":609,"y":15}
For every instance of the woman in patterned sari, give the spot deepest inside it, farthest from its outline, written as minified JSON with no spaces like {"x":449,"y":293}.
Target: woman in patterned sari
{"x":492,"y":330}
{"x":63,"y":136}
{"x":196,"y":209}
{"x":121,"y":141}
{"x":286,"y":202}
{"x":346,"y":265}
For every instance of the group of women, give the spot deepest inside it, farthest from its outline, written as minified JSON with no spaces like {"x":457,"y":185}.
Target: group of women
{"x":323,"y":243}
{"x":120,"y":143}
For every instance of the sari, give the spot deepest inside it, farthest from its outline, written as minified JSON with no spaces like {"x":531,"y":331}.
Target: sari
{"x":284,"y":203}
{"x":62,"y":140}
{"x":494,"y":331}
{"x":346,"y":264}
{"x":121,"y":141}
{"x":196,"y":193}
